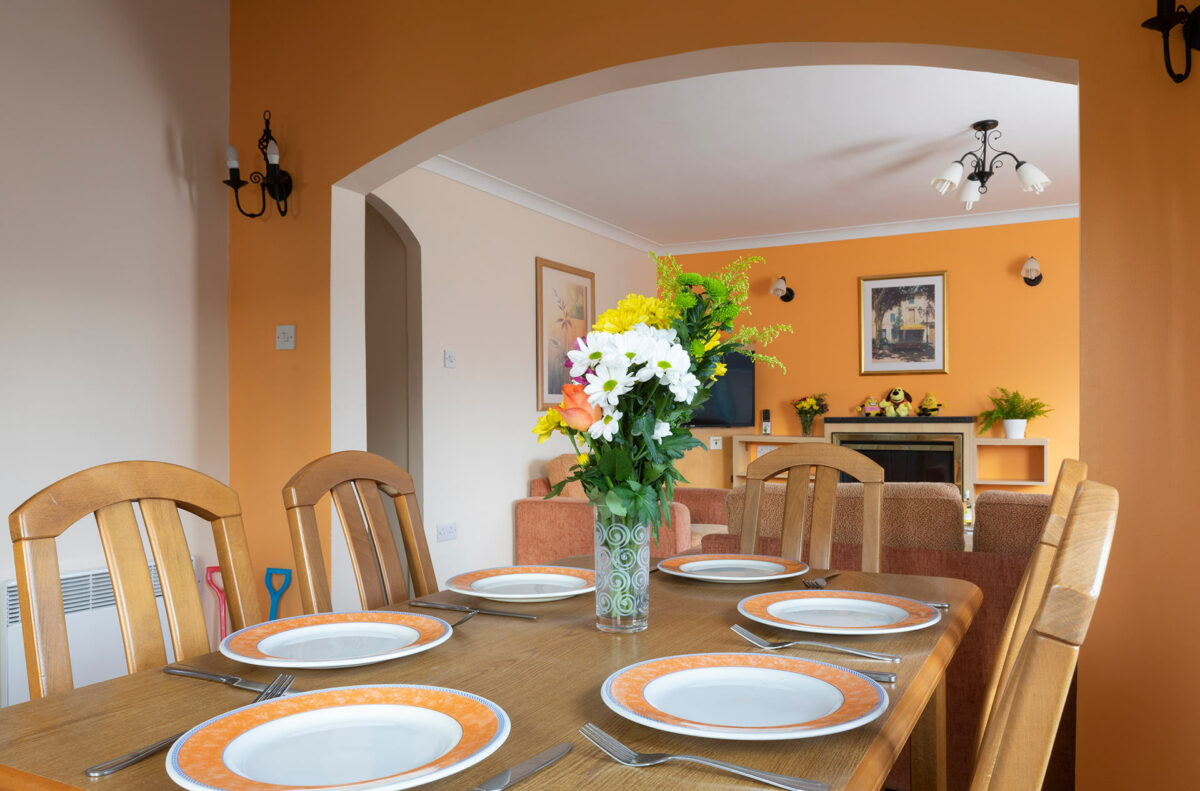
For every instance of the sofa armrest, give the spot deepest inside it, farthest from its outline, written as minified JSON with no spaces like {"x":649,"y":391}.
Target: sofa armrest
{"x":707,"y":506}
{"x":547,"y":530}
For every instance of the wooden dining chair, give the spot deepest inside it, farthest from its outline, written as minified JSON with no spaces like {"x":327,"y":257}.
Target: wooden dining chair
{"x":109,"y":491}
{"x":798,"y":461}
{"x":1032,"y":589}
{"x":355,"y":479}
{"x":1020,"y":733}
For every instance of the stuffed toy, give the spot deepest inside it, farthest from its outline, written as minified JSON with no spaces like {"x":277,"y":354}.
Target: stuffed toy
{"x":930,"y":406}
{"x":870,"y":407}
{"x":898,"y":403}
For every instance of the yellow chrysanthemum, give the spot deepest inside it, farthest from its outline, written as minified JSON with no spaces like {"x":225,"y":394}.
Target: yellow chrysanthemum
{"x":582,"y":458}
{"x":634,"y":309}
{"x":547,"y":424}
{"x":713,"y":341}
{"x":719,"y":371}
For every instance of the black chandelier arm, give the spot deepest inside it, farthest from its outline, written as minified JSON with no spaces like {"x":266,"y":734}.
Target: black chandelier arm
{"x":1187,"y":58}
{"x":996,"y":163}
{"x":257,"y":178}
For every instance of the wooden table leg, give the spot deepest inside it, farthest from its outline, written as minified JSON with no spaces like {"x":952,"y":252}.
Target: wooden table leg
{"x":928,"y":742}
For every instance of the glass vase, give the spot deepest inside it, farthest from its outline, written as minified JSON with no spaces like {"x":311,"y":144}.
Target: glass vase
{"x":622,"y":573}
{"x":806,"y":422}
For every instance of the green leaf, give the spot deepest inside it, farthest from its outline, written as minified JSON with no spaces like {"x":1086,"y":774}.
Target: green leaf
{"x":622,"y":464}
{"x":615,"y":503}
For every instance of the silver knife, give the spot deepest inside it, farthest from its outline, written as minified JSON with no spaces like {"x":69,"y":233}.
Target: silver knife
{"x":223,"y":678}
{"x":524,"y":769}
{"x":460,"y":608}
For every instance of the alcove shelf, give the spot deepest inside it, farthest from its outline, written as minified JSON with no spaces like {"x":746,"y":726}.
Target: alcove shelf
{"x":982,"y":444}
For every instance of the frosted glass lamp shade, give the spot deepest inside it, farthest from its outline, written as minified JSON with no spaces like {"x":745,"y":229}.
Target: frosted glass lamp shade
{"x":272,"y":153}
{"x":1032,"y":179}
{"x":948,"y":179}
{"x":969,"y":193}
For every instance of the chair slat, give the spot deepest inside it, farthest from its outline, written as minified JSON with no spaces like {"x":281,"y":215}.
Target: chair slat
{"x":872,"y":543}
{"x":311,"y":578}
{"x":237,"y":572}
{"x":176,"y":575}
{"x":386,"y":551}
{"x":820,"y":531}
{"x":415,"y":544}
{"x":43,"y":621}
{"x":754,"y":489}
{"x":362,"y":548}
{"x":136,"y":608}
{"x":795,"y":512}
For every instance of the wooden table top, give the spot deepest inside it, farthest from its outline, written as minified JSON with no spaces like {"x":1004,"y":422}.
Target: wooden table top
{"x":545,"y":674}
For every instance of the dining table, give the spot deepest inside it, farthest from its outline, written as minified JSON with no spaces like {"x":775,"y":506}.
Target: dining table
{"x":546,"y":675}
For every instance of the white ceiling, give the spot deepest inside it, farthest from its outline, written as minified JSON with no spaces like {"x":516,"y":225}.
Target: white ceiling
{"x":780,"y":156}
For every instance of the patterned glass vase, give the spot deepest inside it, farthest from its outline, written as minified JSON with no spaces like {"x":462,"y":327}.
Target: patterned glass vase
{"x":622,"y":573}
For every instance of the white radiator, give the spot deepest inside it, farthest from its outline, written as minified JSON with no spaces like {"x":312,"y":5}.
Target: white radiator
{"x":93,"y":633}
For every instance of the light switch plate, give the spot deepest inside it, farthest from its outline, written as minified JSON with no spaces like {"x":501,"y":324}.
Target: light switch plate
{"x":714,"y":443}
{"x":285,"y":336}
{"x":449,"y":358}
{"x":447,"y":531}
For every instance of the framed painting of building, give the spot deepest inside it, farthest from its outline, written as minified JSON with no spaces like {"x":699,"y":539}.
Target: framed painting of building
{"x":566,"y":310}
{"x":902,"y":324}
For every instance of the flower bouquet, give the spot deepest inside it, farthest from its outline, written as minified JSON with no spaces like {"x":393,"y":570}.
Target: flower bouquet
{"x":808,"y":408}
{"x":637,"y":377}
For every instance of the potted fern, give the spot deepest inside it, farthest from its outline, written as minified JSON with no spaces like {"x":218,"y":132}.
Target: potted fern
{"x":1013,"y":410}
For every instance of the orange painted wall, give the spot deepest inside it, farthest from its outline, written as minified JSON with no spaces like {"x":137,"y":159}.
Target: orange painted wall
{"x":1001,"y":331}
{"x":354,"y":79}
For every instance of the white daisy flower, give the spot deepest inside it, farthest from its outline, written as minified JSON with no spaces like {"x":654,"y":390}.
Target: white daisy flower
{"x":605,"y":426}
{"x":588,"y":353}
{"x":607,"y":384}
{"x":683,"y":386}
{"x":661,"y":430}
{"x":669,"y":360}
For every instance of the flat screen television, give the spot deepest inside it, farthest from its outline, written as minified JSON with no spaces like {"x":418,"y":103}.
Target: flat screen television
{"x":732,"y":399}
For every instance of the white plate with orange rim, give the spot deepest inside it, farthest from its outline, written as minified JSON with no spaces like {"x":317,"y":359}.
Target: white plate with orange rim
{"x":336,"y":639}
{"x":370,"y":738}
{"x":747,"y":697}
{"x":732,"y":568}
{"x":525,"y":583}
{"x":839,"y":612}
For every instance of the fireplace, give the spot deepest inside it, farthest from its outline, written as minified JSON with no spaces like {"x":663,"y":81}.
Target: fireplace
{"x":909,"y":456}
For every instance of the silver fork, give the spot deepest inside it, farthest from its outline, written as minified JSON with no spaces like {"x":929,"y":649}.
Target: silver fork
{"x":822,"y":583}
{"x":772,"y":645}
{"x":622,"y":754}
{"x":280,"y":685}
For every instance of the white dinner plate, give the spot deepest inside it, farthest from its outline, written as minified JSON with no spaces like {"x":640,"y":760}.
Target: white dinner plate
{"x":838,"y":612}
{"x":337,"y":639}
{"x":732,"y":568}
{"x":525,"y":583}
{"x":749,"y":697}
{"x":371,"y":738}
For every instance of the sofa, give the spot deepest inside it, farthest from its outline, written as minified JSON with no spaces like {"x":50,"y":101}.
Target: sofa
{"x":922,"y":533}
{"x":545,"y":530}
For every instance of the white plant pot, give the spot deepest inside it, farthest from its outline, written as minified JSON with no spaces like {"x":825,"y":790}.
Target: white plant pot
{"x":1015,"y":429}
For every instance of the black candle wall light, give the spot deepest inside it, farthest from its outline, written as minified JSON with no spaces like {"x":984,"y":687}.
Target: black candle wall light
{"x":276,"y":182}
{"x":1168,"y":17}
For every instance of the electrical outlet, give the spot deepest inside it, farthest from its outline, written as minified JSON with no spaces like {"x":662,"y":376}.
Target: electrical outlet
{"x":714,"y":443}
{"x":447,"y":531}
{"x":285,"y":336}
{"x":449,"y":358}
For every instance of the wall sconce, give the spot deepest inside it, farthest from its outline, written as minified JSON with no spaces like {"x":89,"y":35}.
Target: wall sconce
{"x":1168,"y":17}
{"x":975,"y":187}
{"x":1032,"y":272}
{"x":780,"y":289}
{"x":277,"y":182}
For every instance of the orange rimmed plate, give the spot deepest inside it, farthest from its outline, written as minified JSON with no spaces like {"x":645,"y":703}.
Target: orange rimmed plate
{"x":525,"y":583}
{"x":732,"y":568}
{"x":371,"y":738}
{"x":749,"y":697}
{"x":839,"y":612}
{"x":337,"y":639}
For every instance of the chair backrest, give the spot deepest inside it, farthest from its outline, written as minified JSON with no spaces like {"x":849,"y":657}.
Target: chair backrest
{"x":355,"y":479}
{"x":1032,"y":589}
{"x":798,"y":461}
{"x":109,"y":491}
{"x":1019,"y":737}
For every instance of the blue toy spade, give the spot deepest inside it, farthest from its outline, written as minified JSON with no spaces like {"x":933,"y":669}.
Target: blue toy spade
{"x":277,"y":593}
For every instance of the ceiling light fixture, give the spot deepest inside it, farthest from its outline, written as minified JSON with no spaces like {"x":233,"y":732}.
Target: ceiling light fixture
{"x":975,"y":187}
{"x":277,"y":182}
{"x":780,"y":289}
{"x":1168,"y":17}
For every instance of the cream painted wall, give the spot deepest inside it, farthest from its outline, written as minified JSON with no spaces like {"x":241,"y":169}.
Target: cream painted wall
{"x":113,"y":245}
{"x":477,"y":269}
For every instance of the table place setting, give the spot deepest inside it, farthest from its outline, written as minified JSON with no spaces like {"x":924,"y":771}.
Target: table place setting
{"x":732,"y":568}
{"x":524,"y":583}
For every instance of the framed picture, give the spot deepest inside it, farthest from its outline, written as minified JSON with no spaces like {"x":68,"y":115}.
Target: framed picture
{"x":566,"y":310}
{"x":902,"y":324}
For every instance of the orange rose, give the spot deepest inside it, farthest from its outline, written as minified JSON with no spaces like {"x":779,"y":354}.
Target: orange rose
{"x":576,"y":412}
